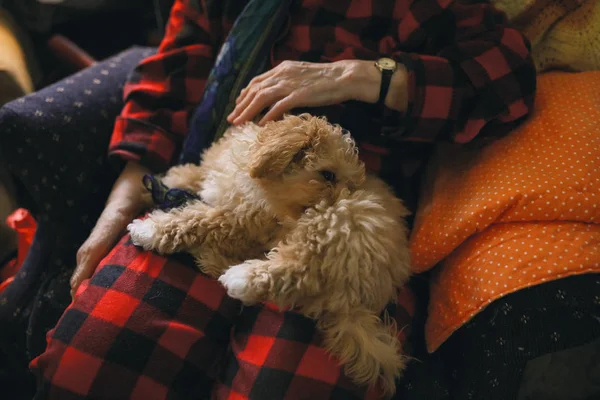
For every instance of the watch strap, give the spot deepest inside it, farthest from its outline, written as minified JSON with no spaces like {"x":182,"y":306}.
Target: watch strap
{"x":386,"y":78}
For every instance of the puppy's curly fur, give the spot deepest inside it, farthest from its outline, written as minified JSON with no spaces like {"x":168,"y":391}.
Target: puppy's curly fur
{"x":288,"y":215}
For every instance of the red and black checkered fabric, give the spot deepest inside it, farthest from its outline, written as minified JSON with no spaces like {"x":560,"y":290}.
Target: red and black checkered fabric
{"x":148,"y":327}
{"x":467,"y":68}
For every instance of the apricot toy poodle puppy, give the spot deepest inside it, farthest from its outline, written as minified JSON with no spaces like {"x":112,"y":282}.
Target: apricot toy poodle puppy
{"x":288,"y":215}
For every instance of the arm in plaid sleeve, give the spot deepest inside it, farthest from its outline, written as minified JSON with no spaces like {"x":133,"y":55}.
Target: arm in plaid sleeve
{"x":163,"y":88}
{"x":476,"y":71}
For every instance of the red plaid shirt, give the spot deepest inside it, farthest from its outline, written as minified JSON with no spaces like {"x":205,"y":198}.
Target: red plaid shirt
{"x":467,"y":69}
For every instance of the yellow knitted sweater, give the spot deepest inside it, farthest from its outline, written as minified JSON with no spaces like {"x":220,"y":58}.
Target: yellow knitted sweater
{"x":565,"y":34}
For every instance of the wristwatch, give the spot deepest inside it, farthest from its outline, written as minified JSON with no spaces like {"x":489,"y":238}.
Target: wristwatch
{"x":387,"y":67}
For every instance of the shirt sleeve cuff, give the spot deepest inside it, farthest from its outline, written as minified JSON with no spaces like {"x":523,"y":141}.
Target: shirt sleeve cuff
{"x":138,"y":141}
{"x":433,"y":100}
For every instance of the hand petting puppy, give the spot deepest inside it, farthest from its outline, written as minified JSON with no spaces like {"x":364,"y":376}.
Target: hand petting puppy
{"x":294,"y":84}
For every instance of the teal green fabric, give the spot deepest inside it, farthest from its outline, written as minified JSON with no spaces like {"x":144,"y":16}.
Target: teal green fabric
{"x":245,"y":54}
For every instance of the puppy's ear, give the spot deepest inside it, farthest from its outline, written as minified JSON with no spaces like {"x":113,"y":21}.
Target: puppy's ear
{"x":275,"y":149}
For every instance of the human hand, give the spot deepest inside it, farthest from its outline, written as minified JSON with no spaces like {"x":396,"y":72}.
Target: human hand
{"x":122,"y":206}
{"x":294,"y":84}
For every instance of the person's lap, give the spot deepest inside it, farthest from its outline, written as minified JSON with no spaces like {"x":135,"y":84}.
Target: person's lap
{"x":138,"y":309}
{"x":146,"y":327}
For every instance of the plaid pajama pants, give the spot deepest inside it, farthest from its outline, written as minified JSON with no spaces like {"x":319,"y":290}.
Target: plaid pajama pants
{"x":149,"y":327}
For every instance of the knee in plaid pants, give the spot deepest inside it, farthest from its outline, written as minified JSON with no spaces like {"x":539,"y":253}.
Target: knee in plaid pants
{"x":148,"y":327}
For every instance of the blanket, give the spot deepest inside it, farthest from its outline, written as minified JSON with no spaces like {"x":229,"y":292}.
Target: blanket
{"x":564,"y":34}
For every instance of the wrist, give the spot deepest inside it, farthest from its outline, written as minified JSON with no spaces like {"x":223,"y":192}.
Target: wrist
{"x":127,"y":191}
{"x":135,"y":168}
{"x":365,"y":82}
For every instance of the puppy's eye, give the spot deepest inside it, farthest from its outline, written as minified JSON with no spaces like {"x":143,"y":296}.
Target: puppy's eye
{"x":328,"y":176}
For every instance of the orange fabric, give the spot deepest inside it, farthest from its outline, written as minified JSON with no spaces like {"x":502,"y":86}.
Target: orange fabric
{"x":503,"y":259}
{"x":519,"y":211}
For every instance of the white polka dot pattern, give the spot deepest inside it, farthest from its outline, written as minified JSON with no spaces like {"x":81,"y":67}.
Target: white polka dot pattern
{"x":548,"y":169}
{"x":502,"y":259}
{"x":520,"y":211}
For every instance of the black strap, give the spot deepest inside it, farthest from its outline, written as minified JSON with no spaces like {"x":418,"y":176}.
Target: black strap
{"x":386,"y":78}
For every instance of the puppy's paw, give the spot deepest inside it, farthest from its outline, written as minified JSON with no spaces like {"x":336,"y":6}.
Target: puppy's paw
{"x":143,"y":233}
{"x":238,"y":282}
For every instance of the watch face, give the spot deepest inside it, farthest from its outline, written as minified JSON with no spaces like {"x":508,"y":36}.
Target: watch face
{"x":386,"y":63}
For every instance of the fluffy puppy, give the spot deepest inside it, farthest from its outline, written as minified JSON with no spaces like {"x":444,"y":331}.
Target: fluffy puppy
{"x":288,"y":215}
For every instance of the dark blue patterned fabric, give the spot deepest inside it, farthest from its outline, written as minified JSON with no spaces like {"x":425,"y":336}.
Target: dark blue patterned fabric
{"x":55,"y":144}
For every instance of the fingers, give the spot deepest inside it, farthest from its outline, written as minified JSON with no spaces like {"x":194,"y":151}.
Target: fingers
{"x":256,"y":104}
{"x":258,"y":82}
{"x":253,"y":83}
{"x":281,"y":107}
{"x":241,"y":106}
{"x":88,"y":257}
{"x":265,"y":87}
{"x":256,"y":97}
{"x":105,"y":234}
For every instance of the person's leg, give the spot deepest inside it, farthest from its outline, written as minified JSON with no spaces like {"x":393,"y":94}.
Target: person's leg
{"x":487,"y":357}
{"x":143,"y":327}
{"x":279,"y":355}
{"x":146,"y":327}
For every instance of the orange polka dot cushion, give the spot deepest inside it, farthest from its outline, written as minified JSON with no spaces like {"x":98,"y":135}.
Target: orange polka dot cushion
{"x":519,"y":211}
